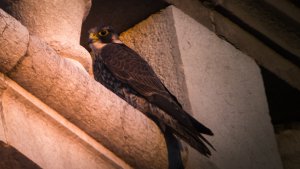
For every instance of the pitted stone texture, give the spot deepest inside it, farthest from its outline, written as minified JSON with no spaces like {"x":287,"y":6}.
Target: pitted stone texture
{"x":14,"y":39}
{"x":57,"y":22}
{"x":155,"y":40}
{"x":91,"y":107}
{"x":227,"y":94}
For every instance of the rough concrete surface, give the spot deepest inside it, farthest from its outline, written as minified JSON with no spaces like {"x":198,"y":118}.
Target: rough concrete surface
{"x":226,"y":91}
{"x":57,"y":22}
{"x":44,"y":140}
{"x":90,"y":106}
{"x":14,"y":41}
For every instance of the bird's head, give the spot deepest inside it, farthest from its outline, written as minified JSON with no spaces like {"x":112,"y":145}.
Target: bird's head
{"x":103,"y":34}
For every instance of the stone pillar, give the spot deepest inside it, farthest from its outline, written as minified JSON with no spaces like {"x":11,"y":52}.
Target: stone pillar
{"x":57,"y":22}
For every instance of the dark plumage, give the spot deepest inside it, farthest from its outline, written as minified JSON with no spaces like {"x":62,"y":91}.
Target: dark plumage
{"x":127,"y":74}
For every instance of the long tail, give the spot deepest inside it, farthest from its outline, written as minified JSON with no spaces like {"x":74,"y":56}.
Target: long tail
{"x":174,"y":109}
{"x":198,"y":126}
{"x":192,"y":136}
{"x":180,"y":123}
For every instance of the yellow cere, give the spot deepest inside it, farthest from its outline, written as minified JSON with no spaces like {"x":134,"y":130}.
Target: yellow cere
{"x":93,"y":36}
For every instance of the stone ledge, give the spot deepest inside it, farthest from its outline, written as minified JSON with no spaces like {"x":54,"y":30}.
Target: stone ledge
{"x":90,"y":106}
{"x":46,"y":135}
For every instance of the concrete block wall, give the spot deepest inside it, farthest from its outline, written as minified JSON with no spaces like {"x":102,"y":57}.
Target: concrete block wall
{"x":223,"y":85}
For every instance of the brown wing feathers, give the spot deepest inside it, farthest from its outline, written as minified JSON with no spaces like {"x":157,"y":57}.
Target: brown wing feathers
{"x":126,"y":65}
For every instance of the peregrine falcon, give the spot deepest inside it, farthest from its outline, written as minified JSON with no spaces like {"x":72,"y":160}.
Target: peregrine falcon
{"x":127,"y":74}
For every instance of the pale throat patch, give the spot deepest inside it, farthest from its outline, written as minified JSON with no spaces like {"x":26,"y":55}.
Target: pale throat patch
{"x":116,"y":39}
{"x":97,"y":45}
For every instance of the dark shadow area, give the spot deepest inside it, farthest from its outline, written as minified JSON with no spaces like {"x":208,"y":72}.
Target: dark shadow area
{"x":120,"y":14}
{"x":283,"y":21}
{"x":283,"y":100}
{"x":296,"y":3}
{"x":4,"y":4}
{"x":10,"y":158}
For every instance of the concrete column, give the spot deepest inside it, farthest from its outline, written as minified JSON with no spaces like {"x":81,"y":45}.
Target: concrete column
{"x":57,"y":22}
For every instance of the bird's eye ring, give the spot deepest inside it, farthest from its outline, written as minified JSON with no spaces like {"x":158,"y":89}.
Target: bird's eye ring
{"x":103,"y":33}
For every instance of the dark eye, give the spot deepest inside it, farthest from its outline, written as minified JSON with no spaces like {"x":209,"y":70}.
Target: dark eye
{"x":103,"y":33}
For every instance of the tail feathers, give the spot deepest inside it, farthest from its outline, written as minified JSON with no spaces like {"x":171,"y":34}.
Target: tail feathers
{"x":200,"y":127}
{"x":207,"y":142}
{"x":194,"y":140}
{"x":195,"y":125}
{"x":190,"y":134}
{"x":193,"y":136}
